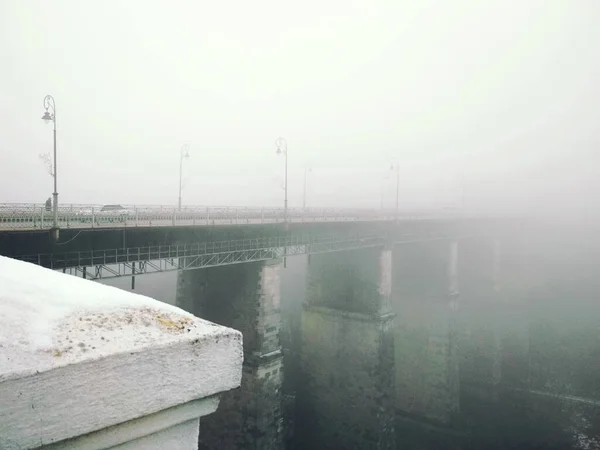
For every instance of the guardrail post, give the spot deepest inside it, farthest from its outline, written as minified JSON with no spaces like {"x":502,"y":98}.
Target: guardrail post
{"x":174,"y":217}
{"x":135,"y":210}
{"x":207,"y":215}
{"x":42,"y":220}
{"x":93,"y":216}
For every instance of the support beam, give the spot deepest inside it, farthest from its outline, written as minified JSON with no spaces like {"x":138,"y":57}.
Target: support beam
{"x":345,"y":398}
{"x":481,"y":321}
{"x":425,"y":301}
{"x":245,"y":297}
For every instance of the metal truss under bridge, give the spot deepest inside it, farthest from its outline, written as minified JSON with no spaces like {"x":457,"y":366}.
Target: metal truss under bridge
{"x":102,"y":264}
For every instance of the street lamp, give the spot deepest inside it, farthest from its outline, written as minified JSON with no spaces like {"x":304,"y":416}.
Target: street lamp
{"x":382,"y":190}
{"x":281,"y":144}
{"x":306,"y":170}
{"x":183,"y":154}
{"x":462,"y":192}
{"x":396,"y":167}
{"x":50,"y":116}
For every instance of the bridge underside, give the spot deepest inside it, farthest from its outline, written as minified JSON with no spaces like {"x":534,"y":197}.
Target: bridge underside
{"x":16,"y":243}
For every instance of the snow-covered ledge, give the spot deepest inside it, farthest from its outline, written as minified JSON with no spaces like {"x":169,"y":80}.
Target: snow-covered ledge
{"x":88,"y":366}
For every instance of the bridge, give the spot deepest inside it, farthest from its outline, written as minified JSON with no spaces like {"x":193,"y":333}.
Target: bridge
{"x":31,"y":216}
{"x":134,"y":240}
{"x":381,"y":289}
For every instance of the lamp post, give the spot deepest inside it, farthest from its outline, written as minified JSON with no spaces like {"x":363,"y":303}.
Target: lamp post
{"x":281,"y":144}
{"x":462,"y":193}
{"x":50,"y":116}
{"x":381,"y":190}
{"x":306,"y":170}
{"x":183,"y":154}
{"x":396,"y":167}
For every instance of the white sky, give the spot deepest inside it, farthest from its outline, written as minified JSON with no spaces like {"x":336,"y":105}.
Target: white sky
{"x":501,"y":94}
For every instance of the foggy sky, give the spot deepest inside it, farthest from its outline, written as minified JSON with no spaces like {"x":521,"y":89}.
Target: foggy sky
{"x":499,"y":98}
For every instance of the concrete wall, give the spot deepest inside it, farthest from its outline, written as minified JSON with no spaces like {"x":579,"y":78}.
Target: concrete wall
{"x":180,"y":437}
{"x":176,"y":428}
{"x":87,"y":366}
{"x":245,"y":297}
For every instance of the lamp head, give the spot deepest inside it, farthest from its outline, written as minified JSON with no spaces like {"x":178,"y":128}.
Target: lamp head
{"x":281,"y":146}
{"x":47,"y":118}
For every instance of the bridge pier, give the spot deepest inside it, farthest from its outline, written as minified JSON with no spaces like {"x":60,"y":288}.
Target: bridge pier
{"x":245,"y":297}
{"x":499,"y":281}
{"x":482,"y":321}
{"x":345,"y":397}
{"x":426,"y":344}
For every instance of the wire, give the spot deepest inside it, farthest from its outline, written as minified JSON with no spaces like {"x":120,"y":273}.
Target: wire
{"x":73,"y":238}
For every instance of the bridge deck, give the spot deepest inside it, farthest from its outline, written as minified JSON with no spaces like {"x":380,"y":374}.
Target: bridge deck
{"x":36,"y":217}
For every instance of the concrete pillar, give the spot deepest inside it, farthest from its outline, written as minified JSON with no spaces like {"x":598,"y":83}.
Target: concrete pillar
{"x":482,"y":320}
{"x":425,"y":300}
{"x":514,"y":283}
{"x":496,"y":265}
{"x":245,"y":297}
{"x":345,"y":397}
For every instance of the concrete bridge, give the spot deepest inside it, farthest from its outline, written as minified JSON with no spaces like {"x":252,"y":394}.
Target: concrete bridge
{"x":378,"y":334}
{"x":31,"y":216}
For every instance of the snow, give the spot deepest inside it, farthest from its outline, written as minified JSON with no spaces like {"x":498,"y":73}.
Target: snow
{"x":49,"y":319}
{"x":77,"y":357}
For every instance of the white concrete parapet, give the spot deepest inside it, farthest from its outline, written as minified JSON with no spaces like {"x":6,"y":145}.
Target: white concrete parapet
{"x":88,"y":366}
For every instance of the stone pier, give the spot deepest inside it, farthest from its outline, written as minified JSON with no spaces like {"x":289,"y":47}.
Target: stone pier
{"x":481,"y":320}
{"x":345,"y":397}
{"x":500,"y":279}
{"x":426,"y":359}
{"x":245,"y":297}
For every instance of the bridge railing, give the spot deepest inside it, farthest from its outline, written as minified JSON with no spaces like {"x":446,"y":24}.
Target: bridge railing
{"x":37,"y":216}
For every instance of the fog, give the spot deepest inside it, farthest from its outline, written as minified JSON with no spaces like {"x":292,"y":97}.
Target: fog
{"x":492,"y":103}
{"x":487,"y":106}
